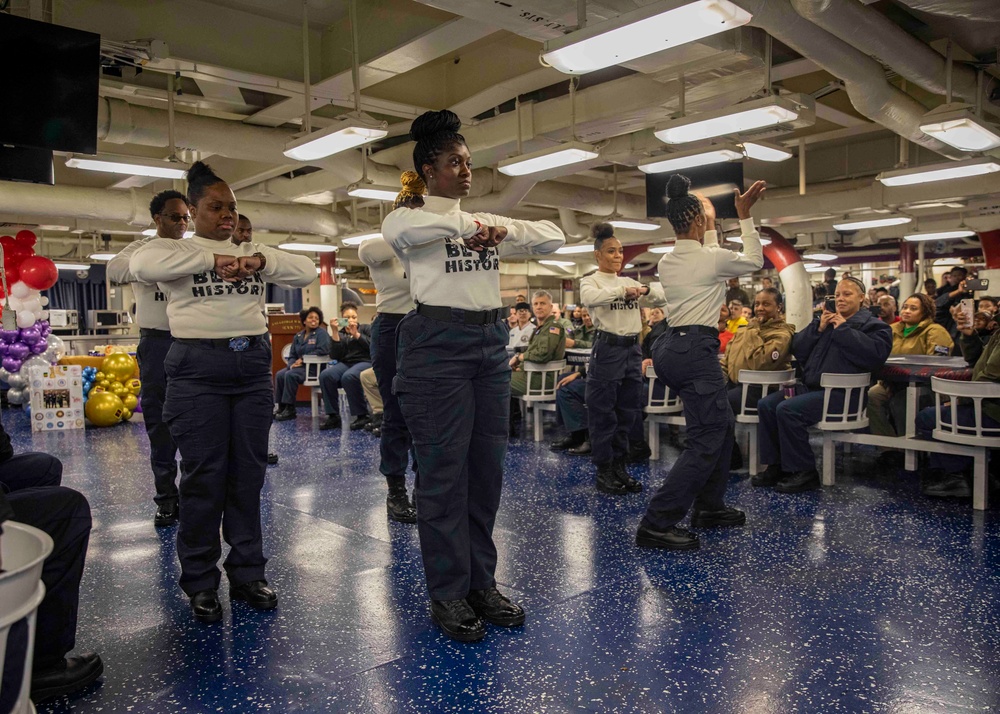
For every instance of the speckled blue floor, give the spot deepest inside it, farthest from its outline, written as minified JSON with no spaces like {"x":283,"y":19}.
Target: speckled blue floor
{"x":864,"y":597}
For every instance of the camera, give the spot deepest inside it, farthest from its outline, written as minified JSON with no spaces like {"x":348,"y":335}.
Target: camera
{"x":830,"y":305}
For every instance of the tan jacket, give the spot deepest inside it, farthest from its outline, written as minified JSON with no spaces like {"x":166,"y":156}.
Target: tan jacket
{"x":929,"y":338}
{"x":766,"y":347}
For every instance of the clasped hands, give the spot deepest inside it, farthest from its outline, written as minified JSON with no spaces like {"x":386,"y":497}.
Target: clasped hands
{"x":233,"y":268}
{"x":486,"y":237}
{"x":830,"y":318}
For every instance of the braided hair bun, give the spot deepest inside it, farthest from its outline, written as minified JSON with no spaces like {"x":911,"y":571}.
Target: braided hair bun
{"x":413,"y":191}
{"x":199,"y":177}
{"x":434,"y":133}
{"x":682,"y":206}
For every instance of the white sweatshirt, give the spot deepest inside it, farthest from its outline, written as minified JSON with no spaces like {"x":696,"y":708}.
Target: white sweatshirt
{"x":603,"y":294}
{"x":150,"y":302}
{"x":443,"y":272}
{"x":200,"y":304}
{"x":391,"y":284}
{"x":693,"y":276}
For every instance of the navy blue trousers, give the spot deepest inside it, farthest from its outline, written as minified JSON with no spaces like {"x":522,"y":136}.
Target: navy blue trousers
{"x":614,"y":399}
{"x":349,"y":377}
{"x":32,"y":484}
{"x":783,"y":434}
{"x":949,"y":463}
{"x":394,"y":440}
{"x":571,"y":404}
{"x":218,"y":409}
{"x":151,"y":353}
{"x":453,"y":386}
{"x":286,"y":384}
{"x":689,"y":364}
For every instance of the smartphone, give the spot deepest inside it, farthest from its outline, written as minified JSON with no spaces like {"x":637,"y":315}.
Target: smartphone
{"x":830,"y":305}
{"x":875,"y":310}
{"x":342,"y":322}
{"x":977,"y":284}
{"x":968,"y":307}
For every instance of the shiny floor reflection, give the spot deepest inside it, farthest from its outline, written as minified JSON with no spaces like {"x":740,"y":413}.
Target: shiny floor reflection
{"x":864,"y":597}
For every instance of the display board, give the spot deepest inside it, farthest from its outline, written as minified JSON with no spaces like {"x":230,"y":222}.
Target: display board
{"x":56,"y":394}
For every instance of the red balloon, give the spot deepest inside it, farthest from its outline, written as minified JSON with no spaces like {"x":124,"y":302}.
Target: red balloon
{"x":38,"y":272}
{"x":14,"y":253}
{"x":13,"y":274}
{"x":26,"y":238}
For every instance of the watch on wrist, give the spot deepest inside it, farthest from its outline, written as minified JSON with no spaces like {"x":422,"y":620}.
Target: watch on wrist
{"x":263,"y":259}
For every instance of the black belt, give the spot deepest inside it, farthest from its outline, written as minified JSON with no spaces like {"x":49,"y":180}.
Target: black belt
{"x":617,"y":340}
{"x":697,"y":329}
{"x":231,"y":344}
{"x":454,"y":314}
{"x":392,"y":315}
{"x":150,"y":332}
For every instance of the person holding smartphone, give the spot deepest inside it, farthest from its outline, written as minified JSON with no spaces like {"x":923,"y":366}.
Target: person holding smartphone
{"x":351,"y":351}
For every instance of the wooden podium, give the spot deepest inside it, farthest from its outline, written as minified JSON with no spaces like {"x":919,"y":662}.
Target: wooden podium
{"x":283,"y":329}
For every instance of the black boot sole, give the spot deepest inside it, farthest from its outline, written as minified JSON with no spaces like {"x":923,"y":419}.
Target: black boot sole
{"x":269,"y":605}
{"x":611,"y":491}
{"x":456,"y":635}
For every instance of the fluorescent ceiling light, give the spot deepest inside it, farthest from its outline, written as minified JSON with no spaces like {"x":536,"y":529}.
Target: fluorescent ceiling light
{"x":688,"y":159}
{"x":764,"y":240}
{"x":339,"y":271}
{"x":128,"y":165}
{"x":72,"y":266}
{"x":765,"y":152}
{"x":347,"y":132}
{"x":102,"y":256}
{"x":749,"y":116}
{"x":948,"y":261}
{"x":51,"y":227}
{"x":310,"y":247}
{"x":634,"y":225}
{"x":629,"y":265}
{"x":937,"y":204}
{"x":149,"y":232}
{"x":558,"y":263}
{"x":571,"y":249}
{"x":958,"y":126}
{"x":872,"y":223}
{"x":359,"y":239}
{"x":662,"y":249}
{"x":571,"y":152}
{"x":940,"y":172}
{"x":323,"y":198}
{"x":815,"y":267}
{"x":938,"y":235}
{"x":379,"y":193}
{"x":819,"y":255}
{"x":635,"y":34}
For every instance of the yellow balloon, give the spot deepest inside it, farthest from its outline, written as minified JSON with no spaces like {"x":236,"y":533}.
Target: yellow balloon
{"x":106,"y":383}
{"x":104,"y":409}
{"x":133,"y":385}
{"x":100,"y":376}
{"x":116,"y":385}
{"x":130,"y":401}
{"x":97,"y":390}
{"x":120,"y":392}
{"x":126,"y":415}
{"x":119,"y":366}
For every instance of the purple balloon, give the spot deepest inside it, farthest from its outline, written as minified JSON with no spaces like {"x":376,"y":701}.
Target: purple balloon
{"x":10,"y":336}
{"x":11,"y":365}
{"x":31,"y":335}
{"x":18,"y":351}
{"x":39,"y":347}
{"x":3,"y":348}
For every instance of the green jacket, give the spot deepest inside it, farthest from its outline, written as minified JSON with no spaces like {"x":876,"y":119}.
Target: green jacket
{"x":986,"y":361}
{"x":547,"y":344}
{"x":584,"y":336}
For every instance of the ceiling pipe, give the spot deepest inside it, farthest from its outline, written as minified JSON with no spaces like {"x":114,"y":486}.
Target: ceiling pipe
{"x":793,"y":276}
{"x":864,"y":78}
{"x":877,"y":36}
{"x":133,"y":208}
{"x":503,"y":200}
{"x":571,"y":226}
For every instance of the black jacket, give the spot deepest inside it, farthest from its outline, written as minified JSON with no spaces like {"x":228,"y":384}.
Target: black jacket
{"x":352,"y":351}
{"x":862,"y":344}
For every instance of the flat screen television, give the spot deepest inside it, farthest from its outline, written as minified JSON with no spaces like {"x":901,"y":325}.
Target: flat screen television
{"x":49,"y":85}
{"x":716,"y":181}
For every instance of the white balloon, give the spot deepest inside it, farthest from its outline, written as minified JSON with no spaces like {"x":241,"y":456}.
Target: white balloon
{"x":17,"y":396}
{"x":56,"y":346}
{"x":15,"y":303}
{"x":32,"y":305}
{"x":45,"y":300}
{"x":25,"y":318}
{"x":17,"y":380}
{"x":33,"y":361}
{"x":43,"y":315}
{"x":20,"y":290}
{"x":4,"y":374}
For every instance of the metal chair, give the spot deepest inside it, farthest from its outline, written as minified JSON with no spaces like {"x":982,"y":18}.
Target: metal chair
{"x":314,"y":364}
{"x":848,"y":418}
{"x":666,"y":409}
{"x":541,"y":397}
{"x":768,"y":382}
{"x":981,"y":437}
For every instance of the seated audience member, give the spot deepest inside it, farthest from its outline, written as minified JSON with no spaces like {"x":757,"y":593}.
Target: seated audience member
{"x":916,"y":333}
{"x":350,"y":348}
{"x":657,"y":326}
{"x":370,"y":384}
{"x":736,"y":319}
{"x":950,"y":294}
{"x":520,"y":331}
{"x":577,"y":316}
{"x":547,"y":344}
{"x":988,"y":304}
{"x":950,"y":476}
{"x":571,"y":410}
{"x":887,"y":309}
{"x":724,"y":334}
{"x":848,"y":341}
{"x":30,"y":493}
{"x":765,"y":344}
{"x":512,"y":317}
{"x":312,"y":340}
{"x":930,"y":288}
{"x":560,"y":320}
{"x":735,"y":292}
{"x":583,"y":336}
{"x":830,"y":282}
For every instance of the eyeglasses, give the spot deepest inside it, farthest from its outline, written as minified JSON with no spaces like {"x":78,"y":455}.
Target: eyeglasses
{"x":177,"y":217}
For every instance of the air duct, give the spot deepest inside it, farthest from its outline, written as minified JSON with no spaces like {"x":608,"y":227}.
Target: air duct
{"x":869,"y":90}
{"x":793,"y":276}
